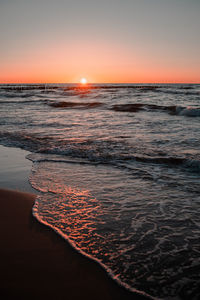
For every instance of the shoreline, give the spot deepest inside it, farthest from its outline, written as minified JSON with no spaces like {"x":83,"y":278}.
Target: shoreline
{"x":15,"y":169}
{"x":36,"y":263}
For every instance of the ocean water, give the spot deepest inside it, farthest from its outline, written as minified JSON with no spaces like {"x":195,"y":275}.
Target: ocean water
{"x":117,"y":168}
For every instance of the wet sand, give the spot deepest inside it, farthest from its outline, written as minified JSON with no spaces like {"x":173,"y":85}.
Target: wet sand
{"x":36,"y":263}
{"x":15,"y":169}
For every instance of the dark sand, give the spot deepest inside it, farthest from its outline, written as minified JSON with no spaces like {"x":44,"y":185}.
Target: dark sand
{"x":36,"y":263}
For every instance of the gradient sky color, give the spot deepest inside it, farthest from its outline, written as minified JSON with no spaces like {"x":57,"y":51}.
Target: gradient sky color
{"x":122,"y":41}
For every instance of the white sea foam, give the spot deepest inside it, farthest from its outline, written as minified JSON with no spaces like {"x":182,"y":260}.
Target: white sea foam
{"x":189,"y":111}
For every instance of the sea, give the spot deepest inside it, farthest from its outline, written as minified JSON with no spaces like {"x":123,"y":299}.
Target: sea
{"x":117,"y":172}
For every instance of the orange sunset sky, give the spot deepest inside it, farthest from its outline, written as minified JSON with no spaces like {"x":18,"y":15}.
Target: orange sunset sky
{"x":104,"y":41}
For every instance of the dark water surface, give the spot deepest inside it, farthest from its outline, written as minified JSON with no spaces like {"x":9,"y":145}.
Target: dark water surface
{"x":118,"y":168}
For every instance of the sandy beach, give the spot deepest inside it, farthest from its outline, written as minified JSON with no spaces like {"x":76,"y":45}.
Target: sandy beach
{"x":36,"y":263}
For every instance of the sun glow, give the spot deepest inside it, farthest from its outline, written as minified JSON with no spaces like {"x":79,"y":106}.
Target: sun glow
{"x":83,"y":81}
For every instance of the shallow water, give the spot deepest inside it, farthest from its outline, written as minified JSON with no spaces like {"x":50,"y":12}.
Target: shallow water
{"x":118,"y":168}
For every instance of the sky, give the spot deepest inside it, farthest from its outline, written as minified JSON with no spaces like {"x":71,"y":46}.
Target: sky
{"x":114,"y":41}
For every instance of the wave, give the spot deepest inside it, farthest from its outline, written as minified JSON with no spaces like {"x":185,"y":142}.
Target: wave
{"x":135,"y":107}
{"x":17,"y":95}
{"x":28,"y":90}
{"x":144,"y":230}
{"x":192,"y":164}
{"x":183,"y":91}
{"x":177,"y":161}
{"x":22,"y":101}
{"x":176,"y":110}
{"x":96,"y":152}
{"x":128,"y":107}
{"x":75,"y":104}
{"x":188,"y":111}
{"x":41,"y":219}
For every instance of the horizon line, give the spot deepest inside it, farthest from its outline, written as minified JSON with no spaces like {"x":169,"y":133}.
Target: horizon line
{"x":93,"y":83}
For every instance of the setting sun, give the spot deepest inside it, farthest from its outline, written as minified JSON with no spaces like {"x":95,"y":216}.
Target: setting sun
{"x":83,"y":81}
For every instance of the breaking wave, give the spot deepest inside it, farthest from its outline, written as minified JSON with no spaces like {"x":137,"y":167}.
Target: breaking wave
{"x":188,"y":111}
{"x":176,"y":110}
{"x":96,"y":152}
